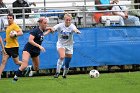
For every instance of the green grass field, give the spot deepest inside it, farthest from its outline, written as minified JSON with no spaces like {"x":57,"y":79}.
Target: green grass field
{"x":128,"y":82}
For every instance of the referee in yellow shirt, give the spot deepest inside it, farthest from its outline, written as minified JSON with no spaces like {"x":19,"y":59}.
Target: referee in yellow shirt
{"x":12,"y":45}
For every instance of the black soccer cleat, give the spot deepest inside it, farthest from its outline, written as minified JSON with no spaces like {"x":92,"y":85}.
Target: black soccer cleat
{"x":64,"y":77}
{"x":56,"y":75}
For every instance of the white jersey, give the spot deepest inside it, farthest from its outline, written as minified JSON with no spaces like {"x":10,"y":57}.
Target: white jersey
{"x":65,"y":34}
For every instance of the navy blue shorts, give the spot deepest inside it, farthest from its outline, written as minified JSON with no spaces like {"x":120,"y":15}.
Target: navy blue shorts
{"x":32,"y":53}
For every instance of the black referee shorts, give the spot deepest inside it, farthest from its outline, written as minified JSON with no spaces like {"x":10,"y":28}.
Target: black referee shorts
{"x":12,"y":52}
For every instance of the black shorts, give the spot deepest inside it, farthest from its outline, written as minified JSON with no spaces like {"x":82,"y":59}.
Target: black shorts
{"x":12,"y":52}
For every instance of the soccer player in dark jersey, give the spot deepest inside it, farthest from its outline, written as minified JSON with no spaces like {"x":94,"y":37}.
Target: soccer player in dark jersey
{"x":33,"y":47}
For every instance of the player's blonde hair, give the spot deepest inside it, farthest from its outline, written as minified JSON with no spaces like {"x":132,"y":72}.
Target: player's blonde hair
{"x":67,"y":15}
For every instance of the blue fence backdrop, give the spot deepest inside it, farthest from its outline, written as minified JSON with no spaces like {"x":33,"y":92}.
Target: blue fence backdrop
{"x":93,"y":47}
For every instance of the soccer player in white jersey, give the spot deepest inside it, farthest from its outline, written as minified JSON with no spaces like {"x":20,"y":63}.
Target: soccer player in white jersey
{"x":65,"y":43}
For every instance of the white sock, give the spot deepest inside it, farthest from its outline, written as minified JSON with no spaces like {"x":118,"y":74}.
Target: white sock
{"x":65,"y":71}
{"x":59,"y":65}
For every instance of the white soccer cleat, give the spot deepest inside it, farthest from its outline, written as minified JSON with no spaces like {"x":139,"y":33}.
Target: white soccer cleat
{"x":27,"y":70}
{"x":32,"y":73}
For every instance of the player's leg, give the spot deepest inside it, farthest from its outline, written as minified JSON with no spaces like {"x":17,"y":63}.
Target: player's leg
{"x":16,"y":60}
{"x":3,"y":64}
{"x":14,"y":53}
{"x":66,"y":64}
{"x":61,"y":52}
{"x":25,"y":59}
{"x":35,"y":67}
{"x":68,"y":56}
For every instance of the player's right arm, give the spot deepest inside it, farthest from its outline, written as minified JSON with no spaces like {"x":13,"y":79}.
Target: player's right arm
{"x":31,"y":41}
{"x":49,"y":30}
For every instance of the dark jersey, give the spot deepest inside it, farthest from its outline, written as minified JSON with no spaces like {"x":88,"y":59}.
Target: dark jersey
{"x":38,"y":34}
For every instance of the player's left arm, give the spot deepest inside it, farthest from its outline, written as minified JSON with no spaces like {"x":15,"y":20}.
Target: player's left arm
{"x":76,"y":31}
{"x":31,"y":41}
{"x":19,"y":32}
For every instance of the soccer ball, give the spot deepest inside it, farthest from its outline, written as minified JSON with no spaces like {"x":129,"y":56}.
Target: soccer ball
{"x":94,"y":73}
{"x":13,"y":33}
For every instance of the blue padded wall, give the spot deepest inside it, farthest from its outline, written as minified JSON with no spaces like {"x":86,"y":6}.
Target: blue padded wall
{"x":93,"y":47}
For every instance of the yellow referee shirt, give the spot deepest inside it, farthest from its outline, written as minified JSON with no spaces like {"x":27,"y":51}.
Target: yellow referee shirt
{"x":11,"y":42}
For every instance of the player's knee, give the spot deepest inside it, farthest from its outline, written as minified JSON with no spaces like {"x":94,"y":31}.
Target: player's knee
{"x":17,"y":63}
{"x":3,"y":62}
{"x":62,"y":57}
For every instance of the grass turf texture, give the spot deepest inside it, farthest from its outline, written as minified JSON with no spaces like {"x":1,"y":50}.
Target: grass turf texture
{"x":128,"y":82}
